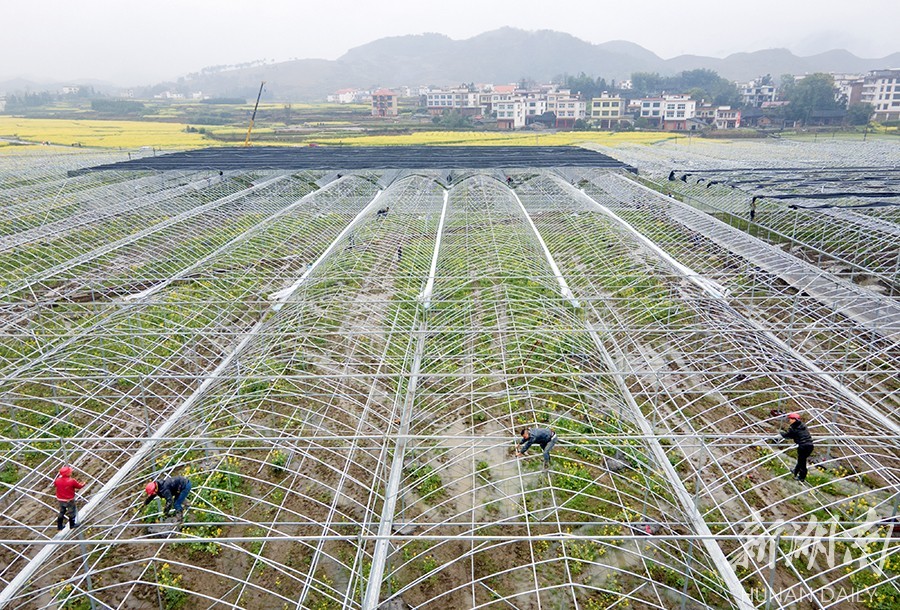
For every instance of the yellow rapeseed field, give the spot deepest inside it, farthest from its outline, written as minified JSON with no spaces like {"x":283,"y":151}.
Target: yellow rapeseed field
{"x":495,"y":138}
{"x":172,"y":136}
{"x":106,"y":134}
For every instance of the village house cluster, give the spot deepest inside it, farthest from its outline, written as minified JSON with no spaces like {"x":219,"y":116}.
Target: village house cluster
{"x":514,"y":107}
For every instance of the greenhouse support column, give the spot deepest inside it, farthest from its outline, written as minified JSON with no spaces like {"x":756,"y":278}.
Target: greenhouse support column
{"x":770,"y":590}
{"x":87,"y":571}
{"x":717,"y":292}
{"x":425,"y":297}
{"x":159,"y":598}
{"x":896,"y":277}
{"x":684,"y":499}
{"x":65,"y":452}
{"x":392,"y":489}
{"x":148,"y":445}
{"x":563,"y":286}
{"x":687,"y":575}
{"x":282,"y":296}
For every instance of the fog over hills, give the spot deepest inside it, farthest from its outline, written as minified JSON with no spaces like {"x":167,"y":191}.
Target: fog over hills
{"x":504,"y":55}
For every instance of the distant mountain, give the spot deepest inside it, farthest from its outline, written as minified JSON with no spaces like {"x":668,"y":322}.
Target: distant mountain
{"x":21,"y":85}
{"x":744,"y":66}
{"x":503,"y":56}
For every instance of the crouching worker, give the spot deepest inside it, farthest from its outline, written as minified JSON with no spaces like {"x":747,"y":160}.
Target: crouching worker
{"x":65,"y":495}
{"x":544,"y":437}
{"x":174,"y":490}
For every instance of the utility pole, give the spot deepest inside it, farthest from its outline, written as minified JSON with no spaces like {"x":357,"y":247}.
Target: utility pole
{"x":253,"y":117}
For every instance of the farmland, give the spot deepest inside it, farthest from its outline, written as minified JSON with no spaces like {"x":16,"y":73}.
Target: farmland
{"x":177,"y":136}
{"x":339,"y":360}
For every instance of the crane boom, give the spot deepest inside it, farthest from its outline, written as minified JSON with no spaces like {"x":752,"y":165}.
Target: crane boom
{"x":253,"y":117}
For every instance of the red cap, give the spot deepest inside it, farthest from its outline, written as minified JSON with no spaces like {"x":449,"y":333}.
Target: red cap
{"x":793,"y":416}
{"x":65,"y":471}
{"x":151,"y":488}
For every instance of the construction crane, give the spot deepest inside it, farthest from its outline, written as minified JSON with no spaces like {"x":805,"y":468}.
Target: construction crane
{"x":253,"y":117}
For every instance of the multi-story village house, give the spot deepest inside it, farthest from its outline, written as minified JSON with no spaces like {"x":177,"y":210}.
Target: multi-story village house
{"x":460,"y":100}
{"x":727,"y":117}
{"x":567,"y":107}
{"x":755,"y":93}
{"x":535,"y":106}
{"x":607,"y":110}
{"x":651,"y":108}
{"x":510,"y":112}
{"x":345,"y":96}
{"x":849,"y":87}
{"x":881,"y":88}
{"x":384,"y":103}
{"x":677,"y":110}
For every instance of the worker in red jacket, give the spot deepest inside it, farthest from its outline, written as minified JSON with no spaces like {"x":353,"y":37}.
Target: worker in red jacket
{"x":65,"y":495}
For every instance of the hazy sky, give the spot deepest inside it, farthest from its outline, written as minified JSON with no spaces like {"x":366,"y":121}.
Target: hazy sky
{"x":134,"y":43}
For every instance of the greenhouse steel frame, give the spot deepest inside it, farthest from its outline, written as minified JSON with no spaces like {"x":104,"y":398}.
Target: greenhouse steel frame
{"x":341,"y":360}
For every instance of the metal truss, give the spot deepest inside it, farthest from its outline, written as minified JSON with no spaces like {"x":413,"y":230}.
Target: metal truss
{"x":340,"y":361}
{"x":835,"y":204}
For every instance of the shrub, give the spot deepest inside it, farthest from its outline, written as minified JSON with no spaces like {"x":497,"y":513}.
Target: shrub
{"x":169,"y":584}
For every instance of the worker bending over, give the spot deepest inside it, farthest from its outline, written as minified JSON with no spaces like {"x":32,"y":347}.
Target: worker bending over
{"x":174,"y":490}
{"x":545,"y":437}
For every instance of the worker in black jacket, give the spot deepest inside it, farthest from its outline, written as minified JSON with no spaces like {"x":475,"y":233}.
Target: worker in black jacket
{"x":174,"y":490}
{"x":544,"y":437}
{"x":798,"y":432}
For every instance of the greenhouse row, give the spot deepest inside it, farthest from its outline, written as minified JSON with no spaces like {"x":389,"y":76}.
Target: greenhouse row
{"x":341,"y":360}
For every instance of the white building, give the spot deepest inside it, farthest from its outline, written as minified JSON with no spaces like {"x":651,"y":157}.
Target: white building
{"x":881,"y":88}
{"x":510,"y":113}
{"x":345,"y":96}
{"x":755,"y":94}
{"x":490,"y":97}
{"x":677,"y":109}
{"x":567,"y":107}
{"x":535,"y":106}
{"x":413,"y":91}
{"x":671,"y":112}
{"x":849,"y":87}
{"x":460,"y":100}
{"x":651,"y":108}
{"x":727,"y":117}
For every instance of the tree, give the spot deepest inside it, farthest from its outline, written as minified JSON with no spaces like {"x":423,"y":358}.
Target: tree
{"x":548,"y":118}
{"x":812,"y":93}
{"x":702,"y":78}
{"x":715,"y":89}
{"x":701,"y":84}
{"x":645,"y":84}
{"x":586,"y":85}
{"x":786,"y":85}
{"x":859,"y":114}
{"x":697,"y":93}
{"x":454,"y":120}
